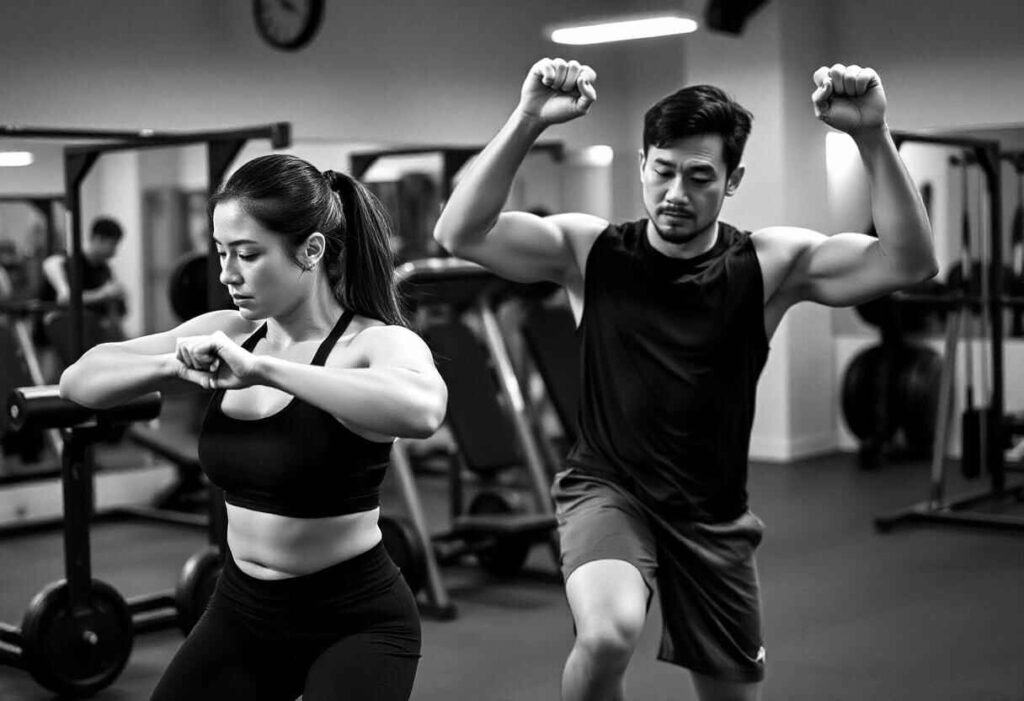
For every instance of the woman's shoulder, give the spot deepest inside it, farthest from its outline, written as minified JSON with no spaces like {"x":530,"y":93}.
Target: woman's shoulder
{"x":229,"y":321}
{"x":372,"y":336}
{"x":369,"y":330}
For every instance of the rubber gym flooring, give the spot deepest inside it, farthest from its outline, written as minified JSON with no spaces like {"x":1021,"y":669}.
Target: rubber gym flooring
{"x":919,"y":613}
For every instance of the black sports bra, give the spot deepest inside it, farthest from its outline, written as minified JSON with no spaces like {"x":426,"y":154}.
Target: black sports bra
{"x":300,"y":461}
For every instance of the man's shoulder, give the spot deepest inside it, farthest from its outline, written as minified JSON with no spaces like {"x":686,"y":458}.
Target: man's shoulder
{"x":579,"y":224}
{"x":783,"y":240}
{"x":56,"y":256}
{"x":628,"y":231}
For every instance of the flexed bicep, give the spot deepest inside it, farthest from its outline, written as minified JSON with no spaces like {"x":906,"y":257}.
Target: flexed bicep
{"x":524,"y":247}
{"x":844,"y":270}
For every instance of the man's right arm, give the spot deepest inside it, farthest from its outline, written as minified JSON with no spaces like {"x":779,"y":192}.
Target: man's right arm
{"x":56,"y":273}
{"x":53,"y":269}
{"x":518,"y":245}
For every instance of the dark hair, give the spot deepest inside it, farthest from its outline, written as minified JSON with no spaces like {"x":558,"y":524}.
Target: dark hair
{"x":106,"y":228}
{"x":291,"y":197}
{"x":699,"y":109}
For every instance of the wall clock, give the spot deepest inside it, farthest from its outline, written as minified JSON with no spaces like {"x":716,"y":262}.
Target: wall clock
{"x":288,"y":24}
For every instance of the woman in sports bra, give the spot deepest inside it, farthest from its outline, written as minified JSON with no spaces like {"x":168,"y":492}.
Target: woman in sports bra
{"x":313,"y":377}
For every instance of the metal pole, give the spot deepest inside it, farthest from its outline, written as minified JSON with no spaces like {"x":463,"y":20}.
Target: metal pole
{"x":513,"y":394}
{"x":945,"y":408}
{"x":407,"y":486}
{"x":988,"y":158}
{"x":76,"y":481}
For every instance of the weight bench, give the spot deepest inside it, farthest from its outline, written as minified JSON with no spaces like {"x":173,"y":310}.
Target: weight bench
{"x":487,"y":417}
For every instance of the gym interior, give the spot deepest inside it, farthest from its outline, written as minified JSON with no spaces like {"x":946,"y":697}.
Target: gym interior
{"x":888,"y":441}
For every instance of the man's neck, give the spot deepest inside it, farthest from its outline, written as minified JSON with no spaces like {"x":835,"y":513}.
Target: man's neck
{"x":701,"y":243}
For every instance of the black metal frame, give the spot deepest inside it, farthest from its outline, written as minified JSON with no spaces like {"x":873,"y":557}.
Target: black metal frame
{"x":222,"y":148}
{"x":1016,"y":160}
{"x":453,"y":158}
{"x":960,"y":511}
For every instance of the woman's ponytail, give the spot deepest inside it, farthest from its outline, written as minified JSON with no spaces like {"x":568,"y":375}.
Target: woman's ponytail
{"x":367,"y":284}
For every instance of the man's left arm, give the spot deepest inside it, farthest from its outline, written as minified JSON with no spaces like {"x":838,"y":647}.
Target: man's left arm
{"x":849,"y":268}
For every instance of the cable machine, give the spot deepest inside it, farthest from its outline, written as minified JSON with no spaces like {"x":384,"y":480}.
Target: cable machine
{"x":989,"y":299}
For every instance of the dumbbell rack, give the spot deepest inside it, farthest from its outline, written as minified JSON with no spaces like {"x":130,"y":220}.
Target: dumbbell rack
{"x":969,"y":510}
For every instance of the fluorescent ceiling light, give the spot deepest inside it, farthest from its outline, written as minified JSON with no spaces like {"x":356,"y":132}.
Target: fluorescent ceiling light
{"x":598,"y":155}
{"x":637,"y":28}
{"x":13,"y":159}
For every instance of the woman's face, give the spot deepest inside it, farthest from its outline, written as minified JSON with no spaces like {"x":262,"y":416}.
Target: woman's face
{"x":256,"y":265}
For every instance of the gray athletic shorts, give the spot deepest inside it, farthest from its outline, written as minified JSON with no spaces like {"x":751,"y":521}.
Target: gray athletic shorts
{"x":704,"y":573}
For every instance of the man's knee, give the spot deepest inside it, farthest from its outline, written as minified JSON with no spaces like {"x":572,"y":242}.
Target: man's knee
{"x":610,"y":638}
{"x":608,"y":599}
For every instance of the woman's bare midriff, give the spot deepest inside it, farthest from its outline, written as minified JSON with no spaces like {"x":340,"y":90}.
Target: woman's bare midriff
{"x":271,"y":546}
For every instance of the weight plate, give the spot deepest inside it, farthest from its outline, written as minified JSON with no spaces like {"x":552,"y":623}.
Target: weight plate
{"x":864,"y":395}
{"x":195,"y":586}
{"x":187,"y":289}
{"x":77,"y":651}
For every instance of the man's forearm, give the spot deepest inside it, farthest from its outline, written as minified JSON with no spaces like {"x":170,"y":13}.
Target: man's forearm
{"x":479,"y":198}
{"x":896,"y":207}
{"x":96,"y":295}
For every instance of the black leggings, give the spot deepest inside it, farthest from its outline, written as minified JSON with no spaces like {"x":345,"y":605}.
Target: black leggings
{"x":350,"y":631}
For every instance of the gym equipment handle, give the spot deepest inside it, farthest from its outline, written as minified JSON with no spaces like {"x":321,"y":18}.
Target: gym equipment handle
{"x":44,"y":407}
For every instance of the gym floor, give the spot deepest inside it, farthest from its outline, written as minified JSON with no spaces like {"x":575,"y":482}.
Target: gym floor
{"x":919,"y":613}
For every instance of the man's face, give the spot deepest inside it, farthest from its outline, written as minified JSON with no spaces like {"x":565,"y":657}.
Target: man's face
{"x":684,"y":185}
{"x":102,"y":248}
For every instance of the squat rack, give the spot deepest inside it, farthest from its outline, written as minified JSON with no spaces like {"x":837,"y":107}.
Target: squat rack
{"x":993,"y":300}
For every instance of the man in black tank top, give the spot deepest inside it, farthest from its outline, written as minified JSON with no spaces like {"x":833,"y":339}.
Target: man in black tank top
{"x":674,"y":313}
{"x":100,"y":290}
{"x":103,"y":296}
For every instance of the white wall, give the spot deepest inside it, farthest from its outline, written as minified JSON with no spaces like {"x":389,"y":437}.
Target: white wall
{"x":768,"y":70}
{"x":112,"y":188}
{"x":945,"y":64}
{"x":443,"y":71}
{"x":449,"y":72}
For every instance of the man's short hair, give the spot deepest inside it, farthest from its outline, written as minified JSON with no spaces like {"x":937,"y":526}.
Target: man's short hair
{"x":106,"y":228}
{"x":695,"y":110}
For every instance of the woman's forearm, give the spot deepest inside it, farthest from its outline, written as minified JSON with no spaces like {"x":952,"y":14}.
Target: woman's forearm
{"x":393,"y":401}
{"x":106,"y":376}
